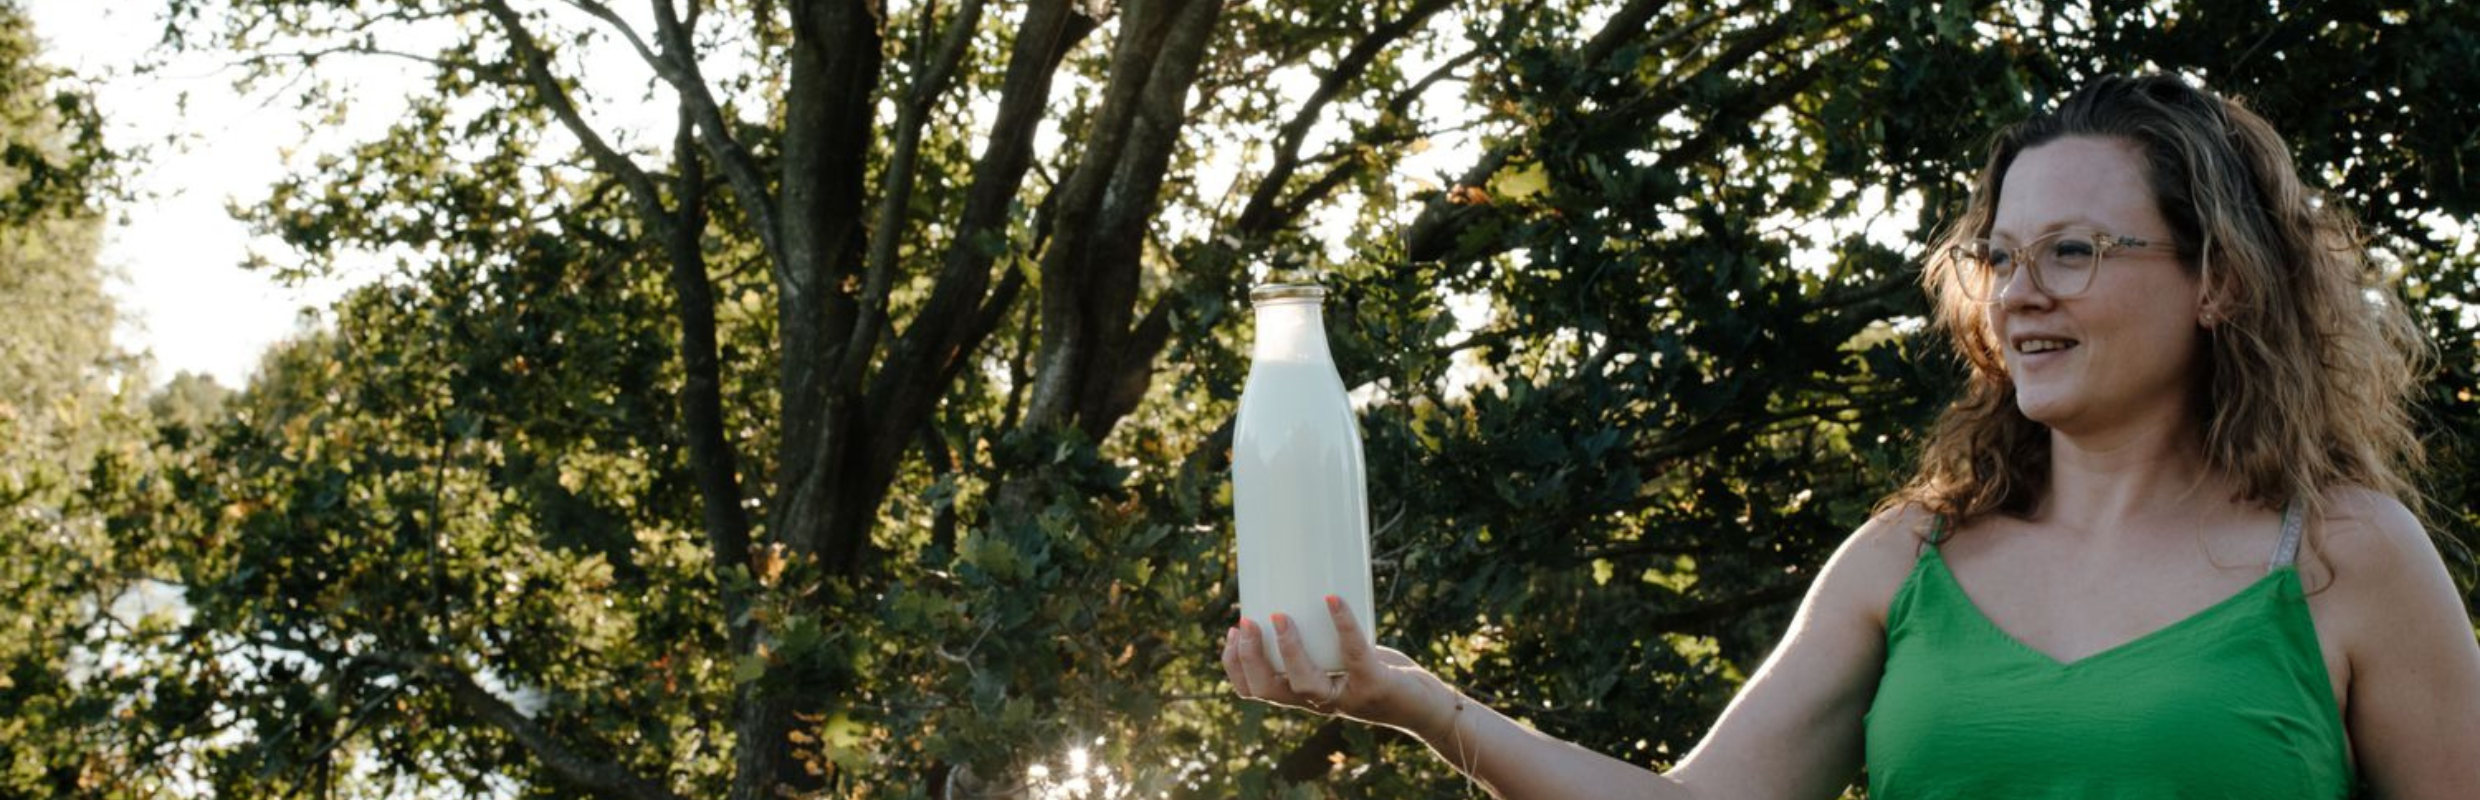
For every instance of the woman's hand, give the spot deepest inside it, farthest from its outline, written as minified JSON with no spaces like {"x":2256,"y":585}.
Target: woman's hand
{"x":1378,"y":685}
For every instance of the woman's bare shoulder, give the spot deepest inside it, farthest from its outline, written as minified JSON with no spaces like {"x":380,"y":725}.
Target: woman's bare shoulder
{"x":2379,"y":568}
{"x":2372,"y":534}
{"x":1899,"y":529}
{"x":1871,"y":565}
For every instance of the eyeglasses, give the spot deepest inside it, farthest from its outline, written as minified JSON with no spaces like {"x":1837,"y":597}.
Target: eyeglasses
{"x":2063,"y":263}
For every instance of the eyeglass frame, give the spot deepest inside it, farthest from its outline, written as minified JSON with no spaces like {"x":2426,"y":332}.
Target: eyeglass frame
{"x":2104,"y":243}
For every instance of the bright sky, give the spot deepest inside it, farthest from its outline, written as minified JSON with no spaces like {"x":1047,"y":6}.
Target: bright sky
{"x":182,"y":292}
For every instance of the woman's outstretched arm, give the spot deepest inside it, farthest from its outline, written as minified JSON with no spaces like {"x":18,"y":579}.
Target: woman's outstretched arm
{"x":1792,"y":733}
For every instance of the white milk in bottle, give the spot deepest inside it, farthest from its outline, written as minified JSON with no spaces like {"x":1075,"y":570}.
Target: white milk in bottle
{"x":1297,"y":483}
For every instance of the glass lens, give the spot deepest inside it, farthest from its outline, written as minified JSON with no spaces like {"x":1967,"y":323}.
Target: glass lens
{"x":2062,"y":265}
{"x":1976,"y":269}
{"x":2068,"y":262}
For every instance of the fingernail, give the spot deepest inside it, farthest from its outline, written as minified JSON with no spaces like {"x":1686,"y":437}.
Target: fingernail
{"x":1334,"y":603}
{"x":1282,"y":623}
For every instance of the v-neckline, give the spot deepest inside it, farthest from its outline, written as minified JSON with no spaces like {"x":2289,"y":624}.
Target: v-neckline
{"x":1974,"y":607}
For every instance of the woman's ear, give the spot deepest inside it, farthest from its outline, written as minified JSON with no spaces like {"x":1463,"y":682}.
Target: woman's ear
{"x":2211,"y":311}
{"x":2213,"y":295}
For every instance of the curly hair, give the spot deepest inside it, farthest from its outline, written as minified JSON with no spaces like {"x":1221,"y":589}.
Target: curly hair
{"x":2310,"y":362}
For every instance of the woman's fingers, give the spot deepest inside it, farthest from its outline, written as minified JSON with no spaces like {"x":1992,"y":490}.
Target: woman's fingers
{"x":1262,"y":682}
{"x":1306,"y":679}
{"x":1232,"y":669}
{"x":1355,"y":645}
{"x":1373,"y":686}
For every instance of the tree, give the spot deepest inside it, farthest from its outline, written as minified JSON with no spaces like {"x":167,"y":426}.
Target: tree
{"x":68,"y":422}
{"x":851,"y":441}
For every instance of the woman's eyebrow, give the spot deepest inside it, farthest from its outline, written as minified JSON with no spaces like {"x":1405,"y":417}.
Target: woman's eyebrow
{"x":1997,"y":234}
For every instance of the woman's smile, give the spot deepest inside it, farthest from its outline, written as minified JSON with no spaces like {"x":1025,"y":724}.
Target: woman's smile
{"x":2035,"y":352}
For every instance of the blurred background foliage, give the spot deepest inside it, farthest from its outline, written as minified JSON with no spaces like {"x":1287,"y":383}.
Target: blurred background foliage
{"x":864,"y":436}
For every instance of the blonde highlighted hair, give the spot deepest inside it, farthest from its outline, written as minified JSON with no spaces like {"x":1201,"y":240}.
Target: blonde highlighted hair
{"x":2311,"y":359}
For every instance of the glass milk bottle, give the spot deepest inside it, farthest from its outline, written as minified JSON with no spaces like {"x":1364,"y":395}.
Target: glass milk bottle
{"x":1297,"y":483}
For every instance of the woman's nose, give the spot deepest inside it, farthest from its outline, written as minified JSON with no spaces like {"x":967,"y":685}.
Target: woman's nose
{"x":2021,"y":290}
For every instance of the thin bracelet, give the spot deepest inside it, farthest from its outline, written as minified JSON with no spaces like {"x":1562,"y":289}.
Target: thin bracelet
{"x":1455,"y":730}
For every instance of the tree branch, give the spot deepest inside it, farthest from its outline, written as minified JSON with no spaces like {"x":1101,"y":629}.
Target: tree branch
{"x":1634,"y":548}
{"x":536,"y":64}
{"x":1152,"y":332}
{"x":1343,"y":163}
{"x":1434,"y":232}
{"x":1020,"y":376}
{"x":1070,"y":331}
{"x":911,"y":374}
{"x":1628,"y":24}
{"x":1351,"y":67}
{"x":1660,"y":101}
{"x":748,"y":185}
{"x":309,"y":58}
{"x":985,"y":320}
{"x":604,"y":13}
{"x":1732,"y":120}
{"x":1125,"y":388}
{"x":711,"y":456}
{"x":602,"y":777}
{"x":942,"y":462}
{"x":1118,"y":352}
{"x":1488,"y":338}
{"x":897,"y":190}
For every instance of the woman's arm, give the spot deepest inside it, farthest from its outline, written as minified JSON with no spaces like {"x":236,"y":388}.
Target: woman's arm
{"x":1508,"y":759}
{"x":1792,"y":733}
{"x":2414,"y":711}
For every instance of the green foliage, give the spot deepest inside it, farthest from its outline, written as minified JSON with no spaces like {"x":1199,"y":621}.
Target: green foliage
{"x":53,"y":160}
{"x":474,"y":469}
{"x":72,"y":439}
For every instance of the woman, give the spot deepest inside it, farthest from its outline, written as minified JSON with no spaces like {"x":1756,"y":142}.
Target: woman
{"x":2159,"y":548}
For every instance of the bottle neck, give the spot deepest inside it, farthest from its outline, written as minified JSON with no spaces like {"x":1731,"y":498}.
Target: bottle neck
{"x":1290,"y":330}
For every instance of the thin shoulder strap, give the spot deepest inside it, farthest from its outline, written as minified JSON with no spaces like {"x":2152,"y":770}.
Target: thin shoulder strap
{"x":2294,"y":518}
{"x":1937,"y":529}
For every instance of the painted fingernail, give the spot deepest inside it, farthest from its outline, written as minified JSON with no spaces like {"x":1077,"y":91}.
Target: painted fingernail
{"x":1334,"y":603}
{"x":1282,"y":623}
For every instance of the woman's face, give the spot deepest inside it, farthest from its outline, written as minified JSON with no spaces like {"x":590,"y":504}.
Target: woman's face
{"x":2131,"y":345}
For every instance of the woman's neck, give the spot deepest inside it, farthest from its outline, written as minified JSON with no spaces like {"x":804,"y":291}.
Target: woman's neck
{"x":2129,"y":479}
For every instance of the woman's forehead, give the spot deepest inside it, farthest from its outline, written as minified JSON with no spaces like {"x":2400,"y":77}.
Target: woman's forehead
{"x":2076,"y":182}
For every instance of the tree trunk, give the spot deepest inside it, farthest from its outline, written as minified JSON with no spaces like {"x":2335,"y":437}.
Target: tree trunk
{"x":828,"y":130}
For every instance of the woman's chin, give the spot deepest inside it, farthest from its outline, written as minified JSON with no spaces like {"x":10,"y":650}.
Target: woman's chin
{"x":2042,"y":409}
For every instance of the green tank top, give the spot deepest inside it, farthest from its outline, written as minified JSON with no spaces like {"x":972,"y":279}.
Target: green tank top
{"x":2232,"y":702}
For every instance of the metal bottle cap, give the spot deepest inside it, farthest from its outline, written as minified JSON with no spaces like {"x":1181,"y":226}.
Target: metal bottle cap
{"x":1286,"y":291}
